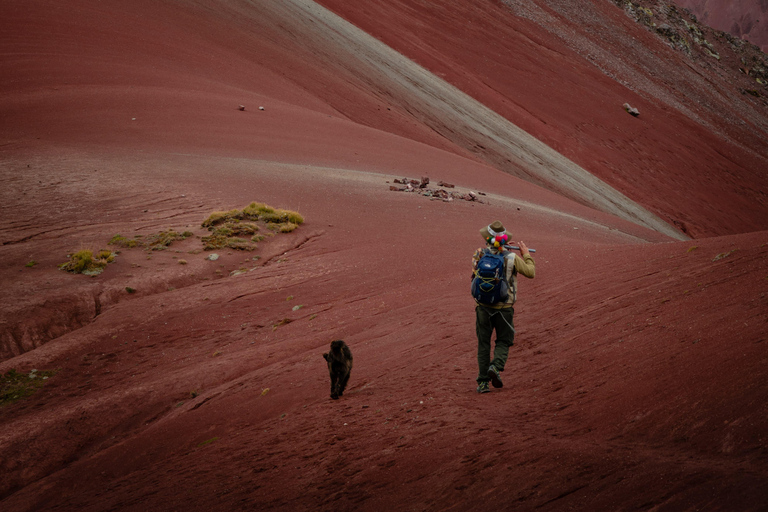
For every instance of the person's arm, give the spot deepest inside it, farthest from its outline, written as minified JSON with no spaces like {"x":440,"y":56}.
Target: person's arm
{"x":525,"y":264}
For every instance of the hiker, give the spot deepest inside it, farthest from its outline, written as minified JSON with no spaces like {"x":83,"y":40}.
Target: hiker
{"x":495,"y":300}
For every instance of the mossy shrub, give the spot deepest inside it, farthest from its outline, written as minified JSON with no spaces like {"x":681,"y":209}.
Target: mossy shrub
{"x":263,"y":212}
{"x":286,"y":227}
{"x":219,"y":217}
{"x":163,"y":239}
{"x":84,"y":262}
{"x":293,"y":217}
{"x":213,"y":242}
{"x":245,"y":228}
{"x":105,"y":255}
{"x":224,"y":231}
{"x":16,"y":386}
{"x":79,"y":261}
{"x":228,"y":228}
{"x":283,"y":216}
{"x":240,"y":244}
{"x":121,"y":241}
{"x":256,"y":210}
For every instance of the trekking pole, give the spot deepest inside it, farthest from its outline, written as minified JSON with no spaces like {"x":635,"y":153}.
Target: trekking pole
{"x":516,"y":248}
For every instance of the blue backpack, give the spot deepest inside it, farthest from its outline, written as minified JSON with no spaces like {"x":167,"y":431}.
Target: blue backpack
{"x":489,"y":284}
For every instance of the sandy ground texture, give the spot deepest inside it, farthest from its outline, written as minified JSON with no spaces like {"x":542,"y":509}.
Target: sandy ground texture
{"x":637,"y":380}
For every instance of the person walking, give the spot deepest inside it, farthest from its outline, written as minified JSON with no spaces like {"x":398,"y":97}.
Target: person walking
{"x":495,"y":299}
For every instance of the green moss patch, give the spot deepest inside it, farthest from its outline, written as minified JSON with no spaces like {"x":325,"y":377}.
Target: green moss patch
{"x":229,"y":229}
{"x":155,"y":242}
{"x":16,"y":386}
{"x":159,"y":241}
{"x":121,"y":241}
{"x":85,"y":262}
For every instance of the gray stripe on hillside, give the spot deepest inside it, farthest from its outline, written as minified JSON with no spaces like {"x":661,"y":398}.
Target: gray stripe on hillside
{"x":454,"y":114}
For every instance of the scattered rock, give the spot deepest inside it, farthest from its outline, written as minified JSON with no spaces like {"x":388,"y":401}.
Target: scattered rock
{"x":241,"y":107}
{"x":723,"y":255}
{"x":261,"y":108}
{"x":632,"y":111}
{"x":421,"y":188}
{"x":212,"y":257}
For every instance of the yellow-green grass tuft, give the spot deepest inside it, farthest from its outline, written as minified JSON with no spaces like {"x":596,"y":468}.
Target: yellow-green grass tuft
{"x":294,"y":217}
{"x":84,"y":262}
{"x":159,"y":241}
{"x":229,"y":229}
{"x":255,"y":210}
{"x":79,"y":261}
{"x":105,"y":255}
{"x":286,"y":227}
{"x":214,"y":241}
{"x":219,"y":217}
{"x":121,"y":241}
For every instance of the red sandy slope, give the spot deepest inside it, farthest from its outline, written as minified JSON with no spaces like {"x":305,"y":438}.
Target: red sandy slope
{"x":561,"y":70}
{"x":638,"y":375}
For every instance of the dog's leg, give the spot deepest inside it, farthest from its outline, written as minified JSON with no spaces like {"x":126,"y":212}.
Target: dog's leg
{"x":334,"y":386}
{"x":343,"y":383}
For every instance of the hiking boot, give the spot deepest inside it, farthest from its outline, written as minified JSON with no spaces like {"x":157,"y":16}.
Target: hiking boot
{"x":483,"y":387}
{"x":495,"y":376}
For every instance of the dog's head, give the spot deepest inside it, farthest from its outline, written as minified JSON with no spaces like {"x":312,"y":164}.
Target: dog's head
{"x":337,"y":345}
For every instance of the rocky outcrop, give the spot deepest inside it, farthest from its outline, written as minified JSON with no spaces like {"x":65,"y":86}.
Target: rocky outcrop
{"x":746,"y":19}
{"x":421,"y":187}
{"x":683,"y":31}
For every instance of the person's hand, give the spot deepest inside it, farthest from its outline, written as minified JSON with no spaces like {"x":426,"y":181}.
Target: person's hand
{"x":523,"y":249}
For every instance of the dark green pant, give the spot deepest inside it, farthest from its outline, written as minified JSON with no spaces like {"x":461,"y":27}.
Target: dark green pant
{"x":488,"y":319}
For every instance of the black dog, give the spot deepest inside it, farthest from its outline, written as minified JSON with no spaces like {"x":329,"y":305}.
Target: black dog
{"x":339,"y":361}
